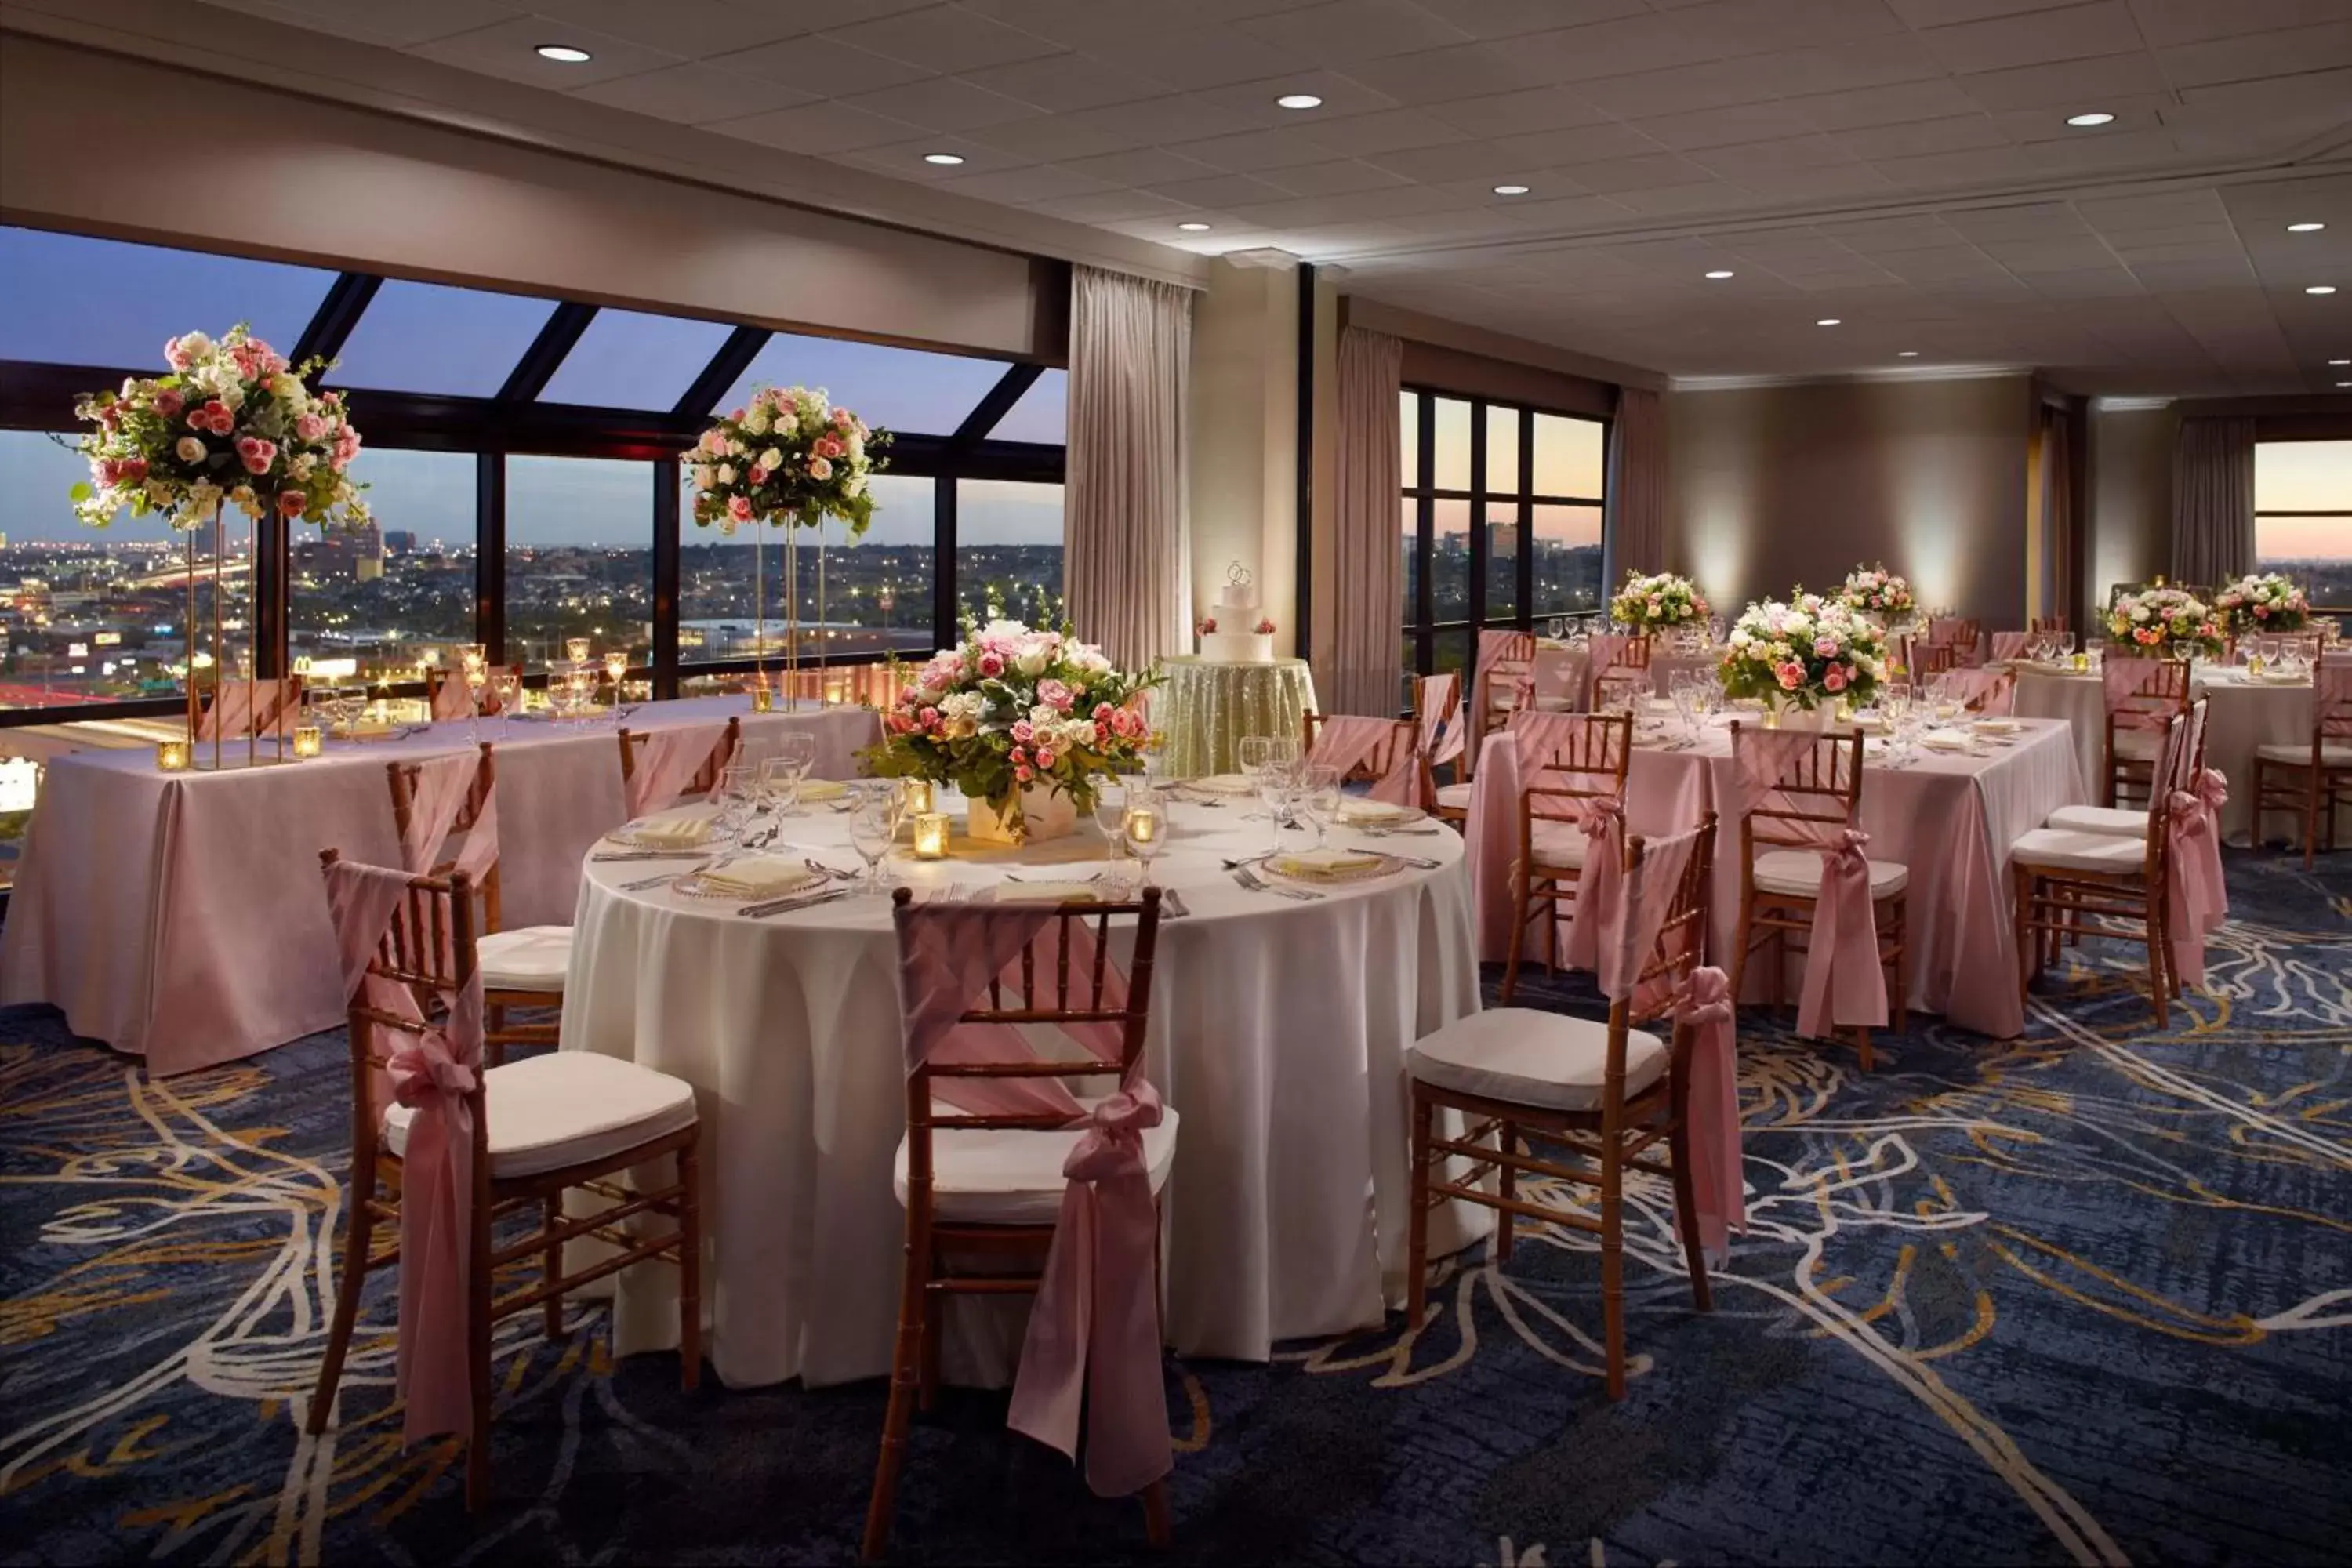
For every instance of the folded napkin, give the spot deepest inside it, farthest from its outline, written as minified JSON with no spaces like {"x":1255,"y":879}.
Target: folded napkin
{"x":1995,"y":726}
{"x":1225,"y":783}
{"x":1945,"y":741}
{"x":759,"y":875}
{"x":1324,"y":862}
{"x":1376,"y":811}
{"x":675,"y":832}
{"x":822,"y":789}
{"x":1045,"y":893}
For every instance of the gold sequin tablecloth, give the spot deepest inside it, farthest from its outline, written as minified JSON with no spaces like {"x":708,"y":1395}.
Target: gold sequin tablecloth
{"x":1207,"y":707}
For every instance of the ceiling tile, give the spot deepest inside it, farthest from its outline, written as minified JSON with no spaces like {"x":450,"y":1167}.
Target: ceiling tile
{"x":943,"y":38}
{"x":1220,"y":191}
{"x":370,"y":22}
{"x":1861,"y":107}
{"x":1334,"y":179}
{"x":1036,"y":183}
{"x":1390,"y":130}
{"x":1051,"y":137}
{"x":2169,"y":22}
{"x":1727,"y":127}
{"x":1141,"y":166}
{"x":1716,"y":84}
{"x":1614,"y":49}
{"x":1179,"y":117}
{"x":504,"y":49}
{"x":818,"y":129}
{"x":2070,"y":33}
{"x":1767,"y":26}
{"x":1201,"y":57}
{"x":1346,"y":30}
{"x":1939,"y":13}
{"x":942,"y":103}
{"x":2253,"y":57}
{"x":1516,"y":113}
{"x":1843,"y":67}
{"x":693,"y":94}
{"x":1654,"y":172}
{"x":1439,"y":76}
{"x":822,"y":66}
{"x":1060,"y":83}
{"x":693,"y":28}
{"x":1113,"y":206}
{"x":2070,"y":85}
{"x":1955,"y":134}
{"x":1584,"y":144}
{"x":1509,"y":18}
{"x":1737,"y":163}
{"x":1253,"y":151}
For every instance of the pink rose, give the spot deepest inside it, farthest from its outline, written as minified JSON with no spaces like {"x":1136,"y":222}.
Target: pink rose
{"x":310,"y":427}
{"x":2261,"y":612}
{"x":991,"y":665}
{"x":214,"y":416}
{"x":1024,"y":732}
{"x":1023,"y":773}
{"x":897,"y":723}
{"x":1055,"y":693}
{"x":1793,"y":676}
{"x":1017,"y":756}
{"x":819,"y":469}
{"x":843,"y":419}
{"x":1826,"y":647}
{"x":930,"y":715}
{"x":292,"y":502}
{"x":826,"y":446}
{"x":758,"y":477}
{"x":713,"y":443}
{"x":168,"y":402}
{"x":738,"y":508}
{"x":1046,"y":757}
{"x":1834,"y":679}
{"x":174,"y":355}
{"x":134,"y":470}
{"x":1103,"y":712}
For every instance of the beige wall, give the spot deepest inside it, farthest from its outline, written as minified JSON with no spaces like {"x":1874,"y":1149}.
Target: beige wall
{"x":1770,"y":487}
{"x":2131,"y":495}
{"x":1243,"y":466}
{"x":305,"y":180}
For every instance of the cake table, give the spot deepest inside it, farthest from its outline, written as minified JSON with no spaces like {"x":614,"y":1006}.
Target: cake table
{"x":1207,"y":706}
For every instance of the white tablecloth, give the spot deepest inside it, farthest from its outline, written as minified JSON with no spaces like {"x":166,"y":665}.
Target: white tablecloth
{"x":2243,"y":715}
{"x":181,"y":916}
{"x":1559,"y":671}
{"x":1278,"y":1034}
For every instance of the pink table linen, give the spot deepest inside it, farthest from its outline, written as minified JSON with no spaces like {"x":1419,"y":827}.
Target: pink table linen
{"x":1949,"y":818}
{"x":1559,"y":672}
{"x":178,"y":916}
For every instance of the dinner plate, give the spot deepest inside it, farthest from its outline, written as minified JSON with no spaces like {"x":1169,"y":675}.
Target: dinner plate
{"x":1292,"y":868}
{"x":1380,"y":813}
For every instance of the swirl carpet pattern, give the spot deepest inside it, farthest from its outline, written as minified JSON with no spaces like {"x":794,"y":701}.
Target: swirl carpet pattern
{"x":2081,"y":1297}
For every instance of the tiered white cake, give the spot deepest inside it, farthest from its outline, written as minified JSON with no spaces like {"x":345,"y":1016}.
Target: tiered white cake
{"x":1236,"y":639}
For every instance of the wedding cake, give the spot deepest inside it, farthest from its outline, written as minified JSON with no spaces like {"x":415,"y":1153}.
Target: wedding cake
{"x":1234,"y":632}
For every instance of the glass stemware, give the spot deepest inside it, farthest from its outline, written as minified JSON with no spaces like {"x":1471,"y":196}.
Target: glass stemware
{"x":1144,"y":826}
{"x":1111,"y":797}
{"x":737,"y":783}
{"x":796,"y":754}
{"x":873,"y":828}
{"x":1319,"y":797}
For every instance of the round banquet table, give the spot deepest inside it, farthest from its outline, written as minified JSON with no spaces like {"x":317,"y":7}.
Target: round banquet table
{"x":2243,"y":714}
{"x":1278,"y":1033}
{"x":1559,"y":671}
{"x":1208,"y":705}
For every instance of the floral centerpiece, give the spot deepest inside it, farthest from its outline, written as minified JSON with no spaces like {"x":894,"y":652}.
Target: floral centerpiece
{"x":1655,"y":603}
{"x":1803,"y":651}
{"x":2262,"y":602}
{"x":2164,"y":623}
{"x":1876,"y":591}
{"x":787,"y":457}
{"x":1022,"y":720}
{"x":232,"y":424}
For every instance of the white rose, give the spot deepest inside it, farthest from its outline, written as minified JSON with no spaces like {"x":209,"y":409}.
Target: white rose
{"x":231,"y":394}
{"x":190,"y":450}
{"x":756,"y":420}
{"x":288,"y":390}
{"x":704,"y":475}
{"x":2140,"y":612}
{"x":726,"y":473}
{"x":734,"y":447}
{"x":771,"y":460}
{"x":1033,"y":658}
{"x":1043,"y":717}
{"x":857,"y":485}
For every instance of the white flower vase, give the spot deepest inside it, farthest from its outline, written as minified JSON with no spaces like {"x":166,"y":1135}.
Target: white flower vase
{"x":1043,"y":814}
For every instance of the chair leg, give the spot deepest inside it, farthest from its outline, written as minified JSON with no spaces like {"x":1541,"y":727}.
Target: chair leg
{"x":1678,"y":1150}
{"x":2027,"y":933}
{"x":1739,"y":961}
{"x":494,"y":1028}
{"x":478,"y":1324}
{"x":2159,"y":987}
{"x":905,"y":1356}
{"x":1902,"y":964}
{"x":1862,"y":1046}
{"x":359,"y":1238}
{"x":934,"y":1328}
{"x":1416,"y":1289}
{"x":550,"y":1267}
{"x":2311,"y":819}
{"x":1518,"y":939}
{"x":1155,"y":1513}
{"x":1507,"y":1187}
{"x":1612,"y":1271}
{"x":689,"y":1263}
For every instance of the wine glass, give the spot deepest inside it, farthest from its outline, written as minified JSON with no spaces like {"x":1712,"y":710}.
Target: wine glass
{"x":1112,"y":798}
{"x":1143,"y":825}
{"x":737,"y":781}
{"x":616,"y":668}
{"x":1319,"y":797}
{"x":796,"y":754}
{"x":873,"y":828}
{"x":506,"y":689}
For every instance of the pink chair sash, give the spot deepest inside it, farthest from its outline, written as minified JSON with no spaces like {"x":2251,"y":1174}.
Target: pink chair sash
{"x":2193,"y":895}
{"x":2127,"y":682}
{"x":1347,"y":741}
{"x":1494,"y":647}
{"x":432,"y":1073}
{"x":2009,"y":645}
{"x":1843,"y":980}
{"x":453,"y":699}
{"x":230,"y":716}
{"x":1992,"y":693}
{"x":1093,"y":1340}
{"x":442,"y":787}
{"x":668,"y":762}
{"x":1600,"y":888}
{"x":1717,"y":1193}
{"x":1440,"y":736}
{"x":1603,"y":667}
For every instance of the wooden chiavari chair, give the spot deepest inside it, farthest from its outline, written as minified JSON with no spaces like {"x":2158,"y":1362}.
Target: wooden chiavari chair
{"x":567,"y":1122}
{"x":1400,"y":748}
{"x":1781,"y":874}
{"x":705,"y":778}
{"x":441,"y":701}
{"x":2314,"y":783}
{"x":1506,"y":663}
{"x":1437,"y":708}
{"x":1608,"y":1094}
{"x":2047,"y":624}
{"x":1618,"y":668}
{"x":2070,"y":883}
{"x":1567,"y":761}
{"x":955,"y":1173}
{"x":1924,"y":661}
{"x":2142,"y":695}
{"x":1964,"y":637}
{"x":522,"y":968}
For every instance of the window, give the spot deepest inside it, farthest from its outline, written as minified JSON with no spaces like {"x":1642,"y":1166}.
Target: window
{"x":627,"y":359}
{"x":1042,"y":414}
{"x":2302,"y":516}
{"x":1009,"y":550}
{"x":891,"y":388}
{"x":71,"y":299}
{"x":578,"y":559}
{"x":376,"y":602}
{"x":877,"y":590}
{"x":1501,"y":521}
{"x":424,"y":337}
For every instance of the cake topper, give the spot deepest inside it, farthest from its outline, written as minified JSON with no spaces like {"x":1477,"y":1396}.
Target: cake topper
{"x":1238,"y":576}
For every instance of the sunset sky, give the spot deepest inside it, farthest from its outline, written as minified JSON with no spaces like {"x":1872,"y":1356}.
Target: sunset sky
{"x":2305,"y":476}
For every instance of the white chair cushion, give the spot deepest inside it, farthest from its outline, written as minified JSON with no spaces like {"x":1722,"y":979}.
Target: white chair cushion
{"x":2330,"y":756}
{"x":2139,"y":745}
{"x":2120,"y":821}
{"x":533,"y":959}
{"x":1559,"y":844}
{"x":1798,"y":873}
{"x":1013,"y":1176}
{"x":1555,"y":704}
{"x":1527,"y":1057}
{"x":1454,"y":796}
{"x":2110,"y":854}
{"x":567,"y":1107}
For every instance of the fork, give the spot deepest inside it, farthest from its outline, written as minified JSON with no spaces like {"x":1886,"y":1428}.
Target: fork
{"x":793,"y":905}
{"x":1417,"y":861}
{"x":1256,"y":884}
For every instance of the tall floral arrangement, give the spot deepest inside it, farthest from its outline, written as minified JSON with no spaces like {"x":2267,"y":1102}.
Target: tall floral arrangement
{"x":1803,"y":651}
{"x":787,"y":457}
{"x":2262,"y":602}
{"x":230,"y":423}
{"x":2166,"y":623}
{"x":1013,"y":708}
{"x":1656,"y":602}
{"x":1874,"y":591}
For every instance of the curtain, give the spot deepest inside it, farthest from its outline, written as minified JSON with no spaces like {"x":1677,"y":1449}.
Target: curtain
{"x":1636,"y":537}
{"x":2213,"y":501}
{"x":1367,"y":622}
{"x":2058,"y":553}
{"x":1126,"y":524}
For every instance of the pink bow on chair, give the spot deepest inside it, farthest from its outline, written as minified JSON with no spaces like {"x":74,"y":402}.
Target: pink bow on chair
{"x":1843,"y":982}
{"x":2194,"y":898}
{"x":1599,"y":886}
{"x":453,"y":699}
{"x":2214,"y":791}
{"x":1093,"y":1333}
{"x":1718,"y":1196}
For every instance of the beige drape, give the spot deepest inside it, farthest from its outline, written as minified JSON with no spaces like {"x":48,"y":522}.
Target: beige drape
{"x":1126,"y":528}
{"x":1636,"y":536}
{"x":1367,"y":672}
{"x":2212,"y":502}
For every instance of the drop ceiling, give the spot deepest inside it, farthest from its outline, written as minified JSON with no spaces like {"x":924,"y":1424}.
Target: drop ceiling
{"x":1901,"y":166}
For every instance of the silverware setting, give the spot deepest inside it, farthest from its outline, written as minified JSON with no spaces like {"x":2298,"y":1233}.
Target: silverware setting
{"x":1417,"y":861}
{"x":609,"y":855}
{"x":1257,"y":884}
{"x":1172,"y":905}
{"x":793,"y":905}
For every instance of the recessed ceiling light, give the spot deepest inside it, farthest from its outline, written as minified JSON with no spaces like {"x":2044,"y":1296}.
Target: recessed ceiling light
{"x":944,"y":160}
{"x":1193,"y":228}
{"x":1830,"y":322}
{"x":2321,"y":289}
{"x":1510,"y":190}
{"x":1906,"y":353}
{"x":2340,"y":361}
{"x":565,"y":53}
{"x":1298,"y":101}
{"x":2344,"y":383}
{"x":2304,"y":227}
{"x":1718,"y":275}
{"x":2087,"y":120}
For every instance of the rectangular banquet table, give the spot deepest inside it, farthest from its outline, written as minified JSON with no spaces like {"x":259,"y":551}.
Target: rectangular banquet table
{"x":1950,"y":818}
{"x":179,"y":916}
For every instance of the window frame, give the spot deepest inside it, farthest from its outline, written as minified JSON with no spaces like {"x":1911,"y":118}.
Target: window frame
{"x":2342,"y":513}
{"x":40,"y":396}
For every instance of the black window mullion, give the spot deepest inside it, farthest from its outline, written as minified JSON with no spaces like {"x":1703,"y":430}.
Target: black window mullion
{"x":547,"y":353}
{"x":1425,"y":546}
{"x":995,"y":403}
{"x":1526,"y":519}
{"x":490,"y":555}
{"x":1477,"y":511}
{"x":668,"y":482}
{"x":943,"y":563}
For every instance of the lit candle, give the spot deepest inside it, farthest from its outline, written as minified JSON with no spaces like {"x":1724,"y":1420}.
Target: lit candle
{"x":617,"y":665}
{"x":764,"y":697}
{"x":836,"y":690}
{"x":171,"y":756}
{"x":308,"y":741}
{"x":918,"y":795}
{"x":576,"y":648}
{"x":931,"y":834}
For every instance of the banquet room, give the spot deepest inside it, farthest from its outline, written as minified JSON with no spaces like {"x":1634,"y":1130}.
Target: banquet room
{"x":1384,"y":781}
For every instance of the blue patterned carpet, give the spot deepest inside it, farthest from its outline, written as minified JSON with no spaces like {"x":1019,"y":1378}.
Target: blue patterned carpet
{"x":2085,"y":1296}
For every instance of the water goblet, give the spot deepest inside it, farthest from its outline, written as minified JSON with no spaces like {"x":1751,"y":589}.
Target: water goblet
{"x":1319,"y":797}
{"x":1143,"y":826}
{"x":873,"y":828}
{"x":795,"y":753}
{"x":735,"y":797}
{"x":1112,"y":798}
